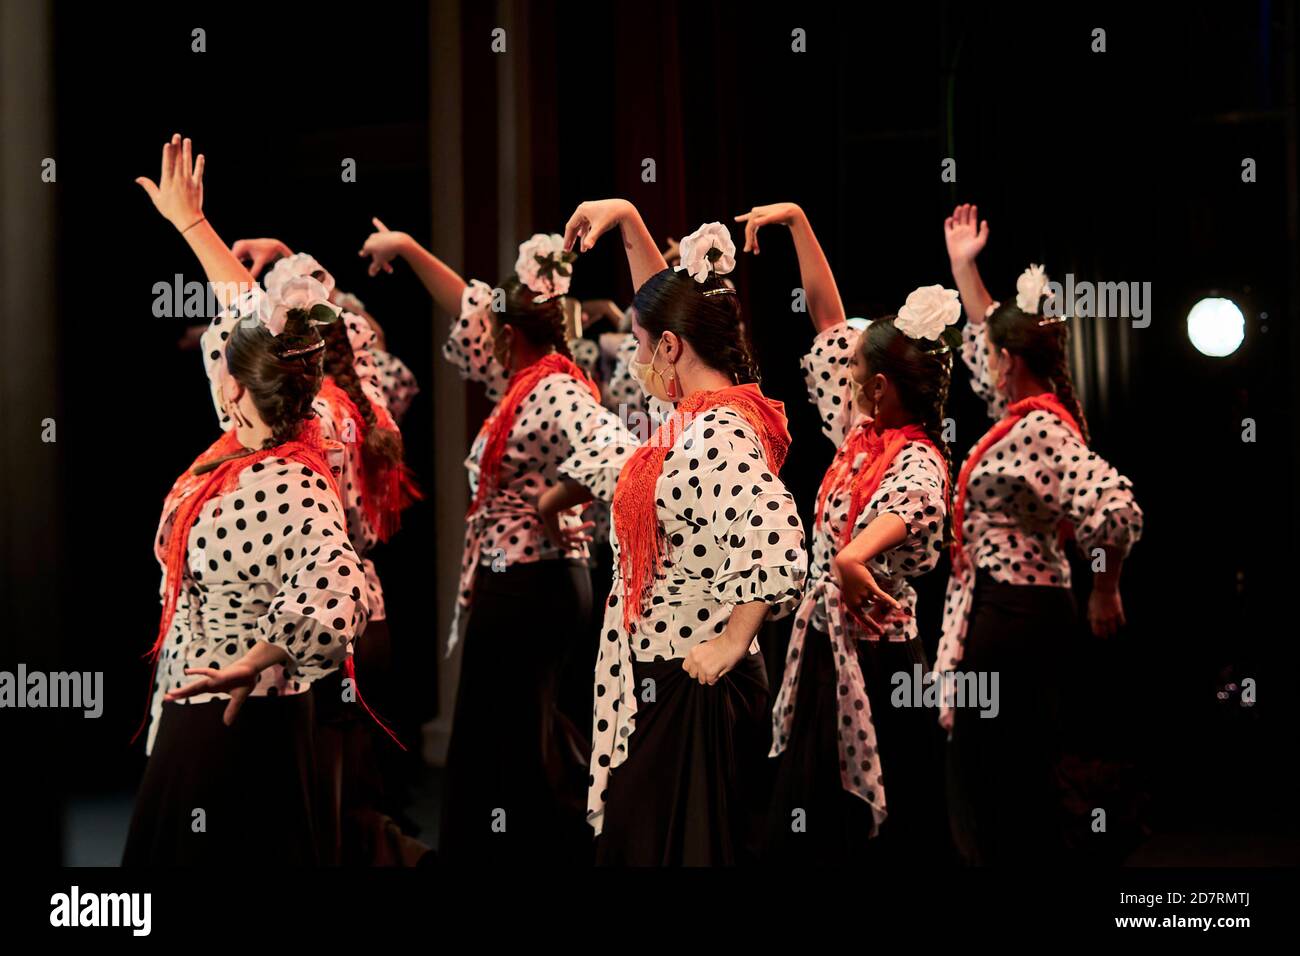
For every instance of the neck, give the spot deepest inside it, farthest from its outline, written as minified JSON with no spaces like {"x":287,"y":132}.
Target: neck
{"x":1026,"y":387}
{"x":889,"y":418}
{"x":254,"y":434}
{"x":522,"y":358}
{"x":700,"y":378}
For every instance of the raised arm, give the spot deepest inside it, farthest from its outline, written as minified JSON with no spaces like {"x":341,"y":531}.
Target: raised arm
{"x":443,"y":282}
{"x":178,"y":196}
{"x":824,"y":305}
{"x":965,"y":236}
{"x":592,"y":219}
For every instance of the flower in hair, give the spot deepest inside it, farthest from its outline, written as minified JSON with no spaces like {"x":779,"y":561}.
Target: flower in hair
{"x":291,"y":267}
{"x":707,"y":251}
{"x":302,"y":293}
{"x":544,"y":265}
{"x":927,"y":312}
{"x":1030,"y":289}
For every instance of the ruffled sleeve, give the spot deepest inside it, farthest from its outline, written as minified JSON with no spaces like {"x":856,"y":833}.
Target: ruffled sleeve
{"x":975,"y":353}
{"x":1096,"y":498}
{"x":321,"y":604}
{"x":396,"y":381}
{"x":212,"y":343}
{"x":753,"y":517}
{"x":467,"y":346}
{"x":914,"y":491}
{"x":826,"y":372}
{"x":601,"y":447}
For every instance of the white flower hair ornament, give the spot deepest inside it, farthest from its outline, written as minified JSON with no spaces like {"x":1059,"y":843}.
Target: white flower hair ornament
{"x":291,"y":267}
{"x":302,"y":293}
{"x":708,"y":251}
{"x":928,"y":314}
{"x":544,"y":265}
{"x":1031,"y":288}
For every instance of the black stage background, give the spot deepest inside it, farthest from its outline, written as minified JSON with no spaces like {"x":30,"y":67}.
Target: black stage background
{"x":1123,"y":165}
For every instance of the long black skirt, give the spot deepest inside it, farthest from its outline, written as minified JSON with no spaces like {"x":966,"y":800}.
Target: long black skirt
{"x":239,"y":796}
{"x":834,"y":828}
{"x":685,"y":795}
{"x":1004,"y":794}
{"x":516,"y":778}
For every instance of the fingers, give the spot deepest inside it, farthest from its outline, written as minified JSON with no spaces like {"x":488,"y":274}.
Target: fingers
{"x":377,"y":224}
{"x":165,"y":173}
{"x":573,"y":228}
{"x":148,"y":186}
{"x":187,"y":158}
{"x":198,"y":171}
{"x":237,"y":698}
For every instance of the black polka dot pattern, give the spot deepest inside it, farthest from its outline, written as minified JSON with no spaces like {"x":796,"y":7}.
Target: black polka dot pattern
{"x":733,"y":536}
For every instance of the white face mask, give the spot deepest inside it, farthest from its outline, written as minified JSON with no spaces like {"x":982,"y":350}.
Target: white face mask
{"x":642,"y":372}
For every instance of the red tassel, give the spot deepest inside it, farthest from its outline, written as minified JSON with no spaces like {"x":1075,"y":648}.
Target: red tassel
{"x":350,"y":668}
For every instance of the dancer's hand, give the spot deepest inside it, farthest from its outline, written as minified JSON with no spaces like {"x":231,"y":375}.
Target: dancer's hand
{"x":259,"y":253}
{"x":1105,"y":611}
{"x":781,"y":213}
{"x":237,"y":680}
{"x":672,"y":251}
{"x":593,"y":219}
{"x":709,"y":660}
{"x":178,"y":194}
{"x":861,"y":595}
{"x":564,"y":538}
{"x":383,"y":246}
{"x":593,"y":310}
{"x":965,"y":234}
{"x":945,"y":719}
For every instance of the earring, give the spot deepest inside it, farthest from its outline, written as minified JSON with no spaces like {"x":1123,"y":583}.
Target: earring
{"x":672,"y":384}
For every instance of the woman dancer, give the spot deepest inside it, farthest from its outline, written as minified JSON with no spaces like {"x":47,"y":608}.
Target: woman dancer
{"x":707,"y":543}
{"x":261,"y":589}
{"x":1025,"y":485}
{"x":880,"y":518}
{"x":515,"y":763}
{"x":375,"y":488}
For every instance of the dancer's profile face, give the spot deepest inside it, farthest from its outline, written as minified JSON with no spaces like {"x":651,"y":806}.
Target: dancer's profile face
{"x":501,"y":336}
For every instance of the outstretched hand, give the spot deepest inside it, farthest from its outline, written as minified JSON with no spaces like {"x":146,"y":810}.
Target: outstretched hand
{"x":178,"y":194}
{"x":783,"y":213}
{"x":382,"y":246}
{"x":965,"y":234}
{"x":591,"y":220}
{"x":237,"y":680}
{"x":259,"y":253}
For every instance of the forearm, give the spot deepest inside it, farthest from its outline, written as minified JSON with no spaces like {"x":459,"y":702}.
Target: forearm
{"x":886,"y":532}
{"x":975,"y":299}
{"x":825,"y":307}
{"x":643,"y":256}
{"x":226,"y":274}
{"x":744,"y":622}
{"x":442,"y":281}
{"x":560,"y":497}
{"x":1113,"y":564}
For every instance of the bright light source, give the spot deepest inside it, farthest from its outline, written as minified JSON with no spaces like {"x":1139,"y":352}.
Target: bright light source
{"x":857,"y":323}
{"x":1216,"y":327}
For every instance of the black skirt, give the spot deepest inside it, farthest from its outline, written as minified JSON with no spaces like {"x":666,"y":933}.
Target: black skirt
{"x":685,"y":795}
{"x":1004,"y":795}
{"x":254,"y":783}
{"x":836,"y":825}
{"x":516,"y":777}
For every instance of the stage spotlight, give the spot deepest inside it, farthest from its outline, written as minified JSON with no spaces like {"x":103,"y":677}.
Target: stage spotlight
{"x":1216,"y":327}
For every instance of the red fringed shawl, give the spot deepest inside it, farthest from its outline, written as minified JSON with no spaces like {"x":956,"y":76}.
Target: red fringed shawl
{"x":1046,"y":402}
{"x":880,"y":449}
{"x":636,"y":516}
{"x":385,"y":489}
{"x":498,"y":425}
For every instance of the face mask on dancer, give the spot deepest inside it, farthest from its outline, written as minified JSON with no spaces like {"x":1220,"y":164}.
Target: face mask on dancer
{"x":649,"y":377}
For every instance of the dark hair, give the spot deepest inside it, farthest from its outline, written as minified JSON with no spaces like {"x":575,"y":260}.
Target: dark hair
{"x":383,"y":446}
{"x":281,"y":387}
{"x":671,"y":301}
{"x":542,"y":324}
{"x":921,"y":376}
{"x":1043,"y":349}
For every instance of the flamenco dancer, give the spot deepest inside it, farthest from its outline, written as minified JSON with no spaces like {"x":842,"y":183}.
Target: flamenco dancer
{"x":375,"y":488}
{"x":880,"y":520}
{"x":1027,"y":485}
{"x":262,"y":591}
{"x":516,"y":764}
{"x":707,"y":543}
